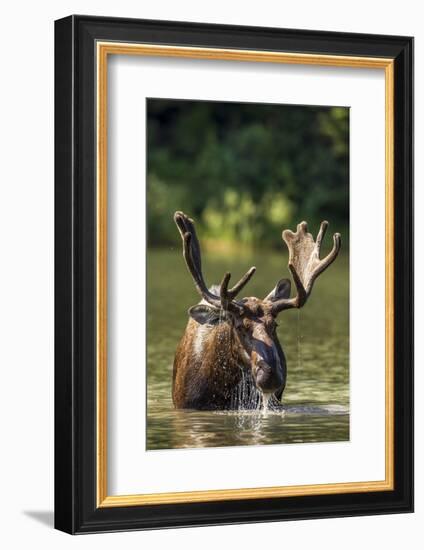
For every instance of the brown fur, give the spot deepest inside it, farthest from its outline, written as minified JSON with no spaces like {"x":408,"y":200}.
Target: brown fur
{"x":206,"y":380}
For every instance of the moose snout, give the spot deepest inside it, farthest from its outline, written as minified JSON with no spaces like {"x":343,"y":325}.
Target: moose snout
{"x":268,"y":378}
{"x":267,"y":367}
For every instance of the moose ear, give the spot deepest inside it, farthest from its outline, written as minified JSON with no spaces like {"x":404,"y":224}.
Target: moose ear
{"x":204,"y":315}
{"x":281,"y":291}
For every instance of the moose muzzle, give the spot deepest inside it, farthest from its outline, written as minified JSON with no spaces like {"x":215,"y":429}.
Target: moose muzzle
{"x":267,"y":368}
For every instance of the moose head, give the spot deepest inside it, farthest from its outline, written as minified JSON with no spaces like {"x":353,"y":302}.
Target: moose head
{"x":252,"y":320}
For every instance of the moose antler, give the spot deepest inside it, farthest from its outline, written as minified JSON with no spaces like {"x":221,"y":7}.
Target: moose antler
{"x":304,"y":262}
{"x":192,"y":256}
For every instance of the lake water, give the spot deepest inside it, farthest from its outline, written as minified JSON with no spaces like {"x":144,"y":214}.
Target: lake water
{"x":315,"y":341}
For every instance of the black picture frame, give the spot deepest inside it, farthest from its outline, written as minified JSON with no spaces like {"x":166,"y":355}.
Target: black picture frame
{"x":76,"y":509}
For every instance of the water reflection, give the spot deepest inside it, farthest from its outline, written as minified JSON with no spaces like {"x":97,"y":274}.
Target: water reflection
{"x":295,"y":424}
{"x":316,"y":399}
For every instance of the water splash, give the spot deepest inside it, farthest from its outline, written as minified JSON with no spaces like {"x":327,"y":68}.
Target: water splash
{"x":246,"y":396}
{"x":266,"y":398}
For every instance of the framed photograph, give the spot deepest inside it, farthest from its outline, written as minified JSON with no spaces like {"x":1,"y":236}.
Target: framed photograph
{"x":234,"y":269}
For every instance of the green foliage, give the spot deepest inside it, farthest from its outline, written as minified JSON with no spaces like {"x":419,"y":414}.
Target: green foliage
{"x":245,"y":171}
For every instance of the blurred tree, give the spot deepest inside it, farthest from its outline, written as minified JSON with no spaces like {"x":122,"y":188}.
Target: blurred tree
{"x":245,"y":170}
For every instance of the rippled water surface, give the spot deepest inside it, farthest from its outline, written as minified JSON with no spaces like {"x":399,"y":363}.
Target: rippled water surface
{"x":315,"y":341}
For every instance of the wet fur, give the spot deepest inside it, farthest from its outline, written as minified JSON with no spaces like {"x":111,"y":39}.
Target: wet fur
{"x":206,"y":374}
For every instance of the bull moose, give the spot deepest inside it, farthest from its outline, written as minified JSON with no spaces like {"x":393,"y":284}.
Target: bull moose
{"x":229,"y":356}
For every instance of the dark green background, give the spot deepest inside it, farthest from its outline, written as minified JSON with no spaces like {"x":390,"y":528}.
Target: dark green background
{"x":244,"y":171}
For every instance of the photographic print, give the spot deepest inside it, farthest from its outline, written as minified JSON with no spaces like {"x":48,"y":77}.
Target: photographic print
{"x":247,"y":290}
{"x":222,"y":194}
